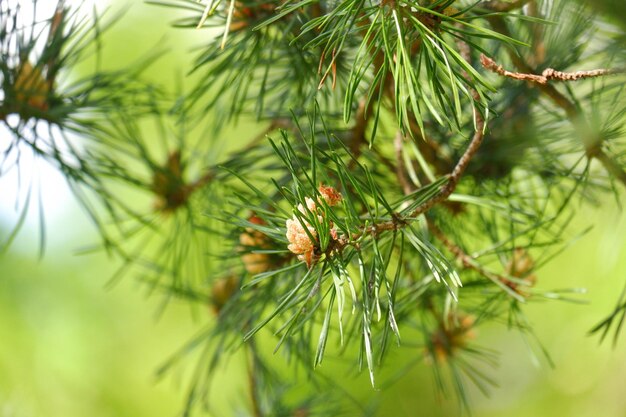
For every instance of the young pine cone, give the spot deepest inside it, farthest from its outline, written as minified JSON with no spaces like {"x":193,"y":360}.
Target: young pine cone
{"x":243,"y":15}
{"x":521,"y":266}
{"x":31,"y":88}
{"x":222,"y":291}
{"x":300,"y":241}
{"x":251,"y":239}
{"x":169,"y":185}
{"x":447,"y":340}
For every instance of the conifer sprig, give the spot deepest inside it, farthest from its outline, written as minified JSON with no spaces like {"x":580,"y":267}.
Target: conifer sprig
{"x":402,"y":191}
{"x":48,"y":114}
{"x":367,"y":268}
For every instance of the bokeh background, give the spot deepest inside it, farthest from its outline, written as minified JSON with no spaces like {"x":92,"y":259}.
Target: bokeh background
{"x":72,"y":346}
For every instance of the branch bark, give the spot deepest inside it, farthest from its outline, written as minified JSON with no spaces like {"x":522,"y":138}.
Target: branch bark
{"x":501,"y":6}
{"x":443,"y":194}
{"x":453,"y":179}
{"x":548,"y":74}
{"x":405,"y":183}
{"x":469,"y":262}
{"x":592,"y":144}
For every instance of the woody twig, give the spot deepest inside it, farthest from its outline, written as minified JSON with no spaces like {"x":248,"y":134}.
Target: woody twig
{"x":593,"y":146}
{"x":549,"y":74}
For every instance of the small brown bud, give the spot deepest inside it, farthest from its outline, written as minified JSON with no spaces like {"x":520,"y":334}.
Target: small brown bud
{"x":520,"y":265}
{"x":330,"y":195}
{"x":250,"y":239}
{"x":244,"y":15}
{"x":301,"y":412}
{"x":450,"y":11}
{"x":448,"y":339}
{"x":31,"y":88}
{"x":256,"y":263}
{"x":300,"y":241}
{"x":222,"y":291}
{"x":168,"y":184}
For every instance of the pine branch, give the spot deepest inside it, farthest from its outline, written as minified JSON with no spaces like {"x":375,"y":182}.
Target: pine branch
{"x":55,"y":23}
{"x":593,"y":147}
{"x":400,"y":168}
{"x":453,"y":179}
{"x":359,"y":139}
{"x":393,"y":64}
{"x":502,"y":6}
{"x":609,"y":163}
{"x":548,"y":74}
{"x":252,"y":379}
{"x":469,"y":262}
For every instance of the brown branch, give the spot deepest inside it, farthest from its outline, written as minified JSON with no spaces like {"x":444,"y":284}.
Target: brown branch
{"x":459,"y":169}
{"x":358,"y":138}
{"x":466,"y":260}
{"x":406,"y":185}
{"x":538,"y":32}
{"x":56,"y":23}
{"x":443,"y":194}
{"x":592,"y":146}
{"x":501,"y":6}
{"x":252,"y":384}
{"x":611,"y":166}
{"x":453,"y":179}
{"x":547,"y":75}
{"x":469,"y":262}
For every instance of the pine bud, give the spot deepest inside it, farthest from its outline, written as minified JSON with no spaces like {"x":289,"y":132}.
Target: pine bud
{"x":330,"y":195}
{"x":301,"y":412}
{"x":448,"y":339}
{"x":244,"y":15}
{"x":168,"y":184}
{"x":250,"y":239}
{"x":222,"y":291}
{"x":31,"y":88}
{"x":300,"y":241}
{"x":450,"y":11}
{"x":520,"y":265}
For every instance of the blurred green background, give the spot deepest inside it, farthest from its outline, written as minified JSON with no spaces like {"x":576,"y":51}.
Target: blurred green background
{"x":70,"y":347}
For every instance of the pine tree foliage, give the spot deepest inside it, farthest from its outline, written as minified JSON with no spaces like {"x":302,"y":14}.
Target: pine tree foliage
{"x":417,"y":163}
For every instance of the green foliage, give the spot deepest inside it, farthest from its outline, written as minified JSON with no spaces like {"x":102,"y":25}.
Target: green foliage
{"x":44,"y":109}
{"x":402,"y":193}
